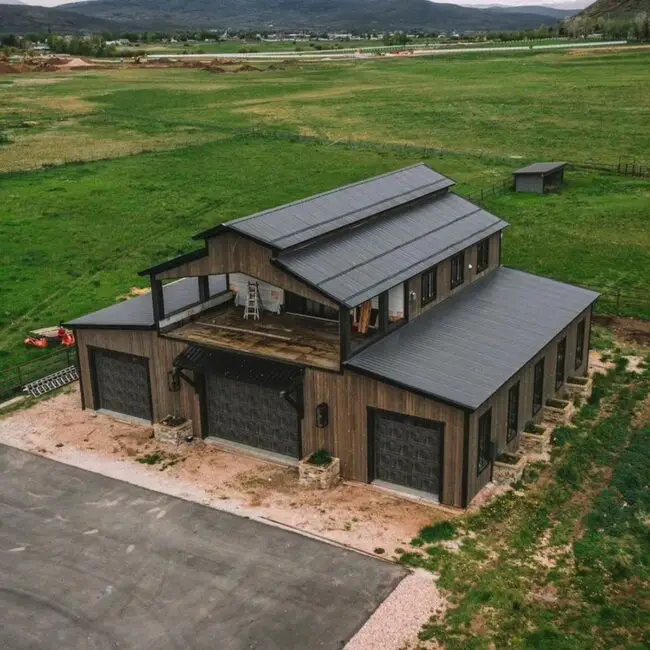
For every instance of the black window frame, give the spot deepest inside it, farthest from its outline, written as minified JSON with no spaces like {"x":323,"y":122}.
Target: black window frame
{"x":482,"y":255}
{"x":580,"y":343}
{"x":538,"y":390}
{"x":560,"y":363}
{"x":484,"y":443}
{"x":512,"y":423}
{"x":429,"y":281}
{"x":457,"y":275}
{"x":301,"y":306}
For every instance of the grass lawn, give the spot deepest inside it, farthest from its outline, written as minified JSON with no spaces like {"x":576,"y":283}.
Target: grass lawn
{"x":153,"y":159}
{"x":563,"y":563}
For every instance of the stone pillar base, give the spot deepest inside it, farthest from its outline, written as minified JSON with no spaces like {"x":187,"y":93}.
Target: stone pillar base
{"x":504,"y":473}
{"x":319,"y":476}
{"x":172,"y":434}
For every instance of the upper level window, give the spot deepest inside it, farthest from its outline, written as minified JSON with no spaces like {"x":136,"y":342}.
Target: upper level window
{"x":560,"y":362}
{"x":538,"y":386}
{"x":429,"y":286}
{"x":484,"y":436}
{"x":457,"y":270}
{"x":513,"y":412}
{"x":482,"y":255}
{"x":580,"y":343}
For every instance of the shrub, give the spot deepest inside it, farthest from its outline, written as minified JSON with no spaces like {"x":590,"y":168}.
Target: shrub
{"x":321,"y":457}
{"x":531,"y":427}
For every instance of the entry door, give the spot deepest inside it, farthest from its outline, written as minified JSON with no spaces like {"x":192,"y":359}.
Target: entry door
{"x":406,"y":451}
{"x":122,"y":384}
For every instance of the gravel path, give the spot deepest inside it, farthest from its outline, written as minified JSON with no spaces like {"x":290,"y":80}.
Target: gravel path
{"x":396,"y":622}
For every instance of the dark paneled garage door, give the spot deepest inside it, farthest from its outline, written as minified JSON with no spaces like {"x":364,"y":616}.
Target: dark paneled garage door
{"x":407,"y":451}
{"x":252,"y":415}
{"x":122,"y":383}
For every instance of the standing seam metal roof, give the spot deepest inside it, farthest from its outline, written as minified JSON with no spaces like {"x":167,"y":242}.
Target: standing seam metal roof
{"x":297,"y":223}
{"x":138,"y":312}
{"x":467,"y":347}
{"x":357,"y":265}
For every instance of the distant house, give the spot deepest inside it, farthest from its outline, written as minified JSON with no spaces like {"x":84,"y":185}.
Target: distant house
{"x":389,"y":335}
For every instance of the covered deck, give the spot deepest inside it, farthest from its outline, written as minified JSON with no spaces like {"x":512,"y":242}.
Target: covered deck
{"x":287,"y":337}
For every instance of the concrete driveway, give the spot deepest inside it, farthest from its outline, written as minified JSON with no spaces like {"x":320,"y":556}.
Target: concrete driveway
{"x":90,"y":562}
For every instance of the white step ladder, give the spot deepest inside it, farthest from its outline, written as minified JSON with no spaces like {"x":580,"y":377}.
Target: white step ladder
{"x":253,"y":302}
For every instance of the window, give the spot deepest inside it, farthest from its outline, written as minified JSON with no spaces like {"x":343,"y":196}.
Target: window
{"x":513,"y":412}
{"x":457,"y":270}
{"x":538,"y":386}
{"x":482,"y":255}
{"x":559,"y":366}
{"x":429,"y":286}
{"x":580,"y":343}
{"x":484,"y":427}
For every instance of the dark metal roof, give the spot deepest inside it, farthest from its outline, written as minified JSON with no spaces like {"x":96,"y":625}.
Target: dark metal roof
{"x":252,"y":370}
{"x":467,"y":347}
{"x":296,"y":223}
{"x":358,"y":264}
{"x":138,"y":312}
{"x":541,"y":168}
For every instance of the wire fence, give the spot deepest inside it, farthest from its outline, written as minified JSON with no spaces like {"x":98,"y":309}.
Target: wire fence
{"x":13,"y":379}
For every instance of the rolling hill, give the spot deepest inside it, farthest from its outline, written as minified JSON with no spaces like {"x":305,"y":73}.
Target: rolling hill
{"x":616,"y":8}
{"x":308,"y":14}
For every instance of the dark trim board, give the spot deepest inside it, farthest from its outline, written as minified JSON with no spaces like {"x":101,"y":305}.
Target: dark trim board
{"x":176,"y":261}
{"x":465,"y":487}
{"x":278,"y":264}
{"x":140,"y":328}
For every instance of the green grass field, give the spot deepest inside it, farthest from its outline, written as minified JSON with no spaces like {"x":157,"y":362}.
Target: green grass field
{"x":107,"y":171}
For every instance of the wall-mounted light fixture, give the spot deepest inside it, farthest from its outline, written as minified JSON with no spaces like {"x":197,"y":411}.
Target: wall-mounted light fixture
{"x":322,"y":415}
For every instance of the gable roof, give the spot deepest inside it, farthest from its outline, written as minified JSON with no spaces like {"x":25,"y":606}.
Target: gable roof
{"x":296,"y":223}
{"x":464,"y":349}
{"x":137,"y":313}
{"x":358,"y":264}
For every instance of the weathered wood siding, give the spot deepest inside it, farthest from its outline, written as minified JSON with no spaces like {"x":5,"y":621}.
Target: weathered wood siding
{"x":232,"y":253}
{"x":499,"y":401}
{"x":444,"y":277}
{"x":346,"y":435}
{"x":159,"y":351}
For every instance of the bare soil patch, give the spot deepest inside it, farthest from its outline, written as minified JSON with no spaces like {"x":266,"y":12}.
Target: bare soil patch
{"x":351,"y":514}
{"x":630,"y":330}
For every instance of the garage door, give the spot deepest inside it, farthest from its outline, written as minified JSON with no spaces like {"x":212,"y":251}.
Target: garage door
{"x":121,"y":383}
{"x":252,"y":415}
{"x":406,"y":451}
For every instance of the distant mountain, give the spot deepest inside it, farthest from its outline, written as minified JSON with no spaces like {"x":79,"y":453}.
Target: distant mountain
{"x":309,"y":14}
{"x":539,"y":10}
{"x":25,"y":19}
{"x":616,"y":8}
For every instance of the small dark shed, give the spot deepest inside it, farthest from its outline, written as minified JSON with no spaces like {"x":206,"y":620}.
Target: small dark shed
{"x":539,"y":177}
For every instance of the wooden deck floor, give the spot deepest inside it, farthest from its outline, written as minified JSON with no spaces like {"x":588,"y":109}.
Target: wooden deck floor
{"x":302,"y":340}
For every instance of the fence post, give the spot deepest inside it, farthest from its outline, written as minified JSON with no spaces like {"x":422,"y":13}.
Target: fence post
{"x":20,"y":376}
{"x":67,"y":357}
{"x":618,"y":299}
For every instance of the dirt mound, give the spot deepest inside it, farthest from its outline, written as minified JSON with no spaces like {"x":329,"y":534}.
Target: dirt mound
{"x":76,"y":63}
{"x":7,"y":68}
{"x":248,"y":68}
{"x":55,"y":60}
{"x":193,"y":64}
{"x":215,"y":69}
{"x":275,"y":66}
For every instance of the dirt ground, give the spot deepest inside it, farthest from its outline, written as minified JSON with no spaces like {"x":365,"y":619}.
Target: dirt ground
{"x":628,"y":330}
{"x":355,"y":515}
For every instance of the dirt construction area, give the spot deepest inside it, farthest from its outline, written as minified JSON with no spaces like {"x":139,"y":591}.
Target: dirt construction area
{"x":354,"y":515}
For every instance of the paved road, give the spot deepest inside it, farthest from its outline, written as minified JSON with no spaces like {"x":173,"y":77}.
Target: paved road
{"x":90,"y":562}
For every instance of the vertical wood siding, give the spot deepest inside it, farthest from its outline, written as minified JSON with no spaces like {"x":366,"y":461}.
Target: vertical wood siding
{"x":159,"y":351}
{"x":232,"y":253}
{"x":444,"y":277}
{"x":346,"y":435}
{"x":499,"y":401}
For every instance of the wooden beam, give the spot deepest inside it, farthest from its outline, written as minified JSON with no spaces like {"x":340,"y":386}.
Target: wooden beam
{"x":204,"y":288}
{"x":157,"y":300}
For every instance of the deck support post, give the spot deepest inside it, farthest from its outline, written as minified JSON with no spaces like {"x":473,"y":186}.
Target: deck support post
{"x":157,"y":300}
{"x":204,"y":288}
